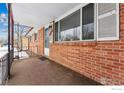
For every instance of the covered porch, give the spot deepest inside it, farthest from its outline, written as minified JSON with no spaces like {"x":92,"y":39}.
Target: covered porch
{"x":56,"y":36}
{"x":42,"y":71}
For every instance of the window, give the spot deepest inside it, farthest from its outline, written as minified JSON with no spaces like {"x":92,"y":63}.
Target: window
{"x":46,"y":37}
{"x":35,"y":37}
{"x":30,"y":38}
{"x":70,"y":27}
{"x":108,"y":21}
{"x":56,"y":31}
{"x":88,"y":22}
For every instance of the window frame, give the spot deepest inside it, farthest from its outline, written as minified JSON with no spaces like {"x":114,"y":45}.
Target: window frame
{"x":95,"y":23}
{"x":117,"y":26}
{"x":79,"y":7}
{"x":80,"y":26}
{"x":46,"y":27}
{"x":55,"y":31}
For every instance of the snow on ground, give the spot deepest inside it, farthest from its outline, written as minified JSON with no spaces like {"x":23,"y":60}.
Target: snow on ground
{"x":3,"y":51}
{"x":22,"y":54}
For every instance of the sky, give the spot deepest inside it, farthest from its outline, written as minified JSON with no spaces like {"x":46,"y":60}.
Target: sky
{"x":3,"y":21}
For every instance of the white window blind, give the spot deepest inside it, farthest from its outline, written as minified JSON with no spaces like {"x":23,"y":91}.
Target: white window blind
{"x":108,"y":21}
{"x":70,"y":27}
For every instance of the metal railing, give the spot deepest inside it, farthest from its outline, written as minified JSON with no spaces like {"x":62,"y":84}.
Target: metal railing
{"x":5,"y":65}
{"x":3,"y":68}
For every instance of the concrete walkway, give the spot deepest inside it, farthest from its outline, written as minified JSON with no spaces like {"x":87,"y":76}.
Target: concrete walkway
{"x":41,"y":71}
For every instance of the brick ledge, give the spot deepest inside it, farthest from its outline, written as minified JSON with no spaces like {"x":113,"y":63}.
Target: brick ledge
{"x":83,"y":44}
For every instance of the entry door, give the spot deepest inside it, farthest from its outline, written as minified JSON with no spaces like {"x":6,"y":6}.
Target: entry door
{"x":46,"y":49}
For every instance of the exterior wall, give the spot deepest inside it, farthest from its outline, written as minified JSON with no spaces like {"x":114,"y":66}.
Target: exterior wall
{"x":24,"y":43}
{"x":33,"y":46}
{"x":37,"y":47}
{"x":101,"y":61}
{"x":41,"y":41}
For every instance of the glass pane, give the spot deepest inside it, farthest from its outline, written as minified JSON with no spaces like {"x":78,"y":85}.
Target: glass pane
{"x":35,"y":36}
{"x":107,"y":26}
{"x":88,"y":22}
{"x":105,"y":8}
{"x":46,"y":38}
{"x":56,"y":31}
{"x":70,"y":27}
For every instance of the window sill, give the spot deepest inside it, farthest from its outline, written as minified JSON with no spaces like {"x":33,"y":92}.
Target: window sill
{"x":77,"y":43}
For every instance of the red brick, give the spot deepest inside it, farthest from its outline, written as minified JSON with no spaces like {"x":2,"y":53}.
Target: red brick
{"x":90,"y":58}
{"x":121,"y":68}
{"x":113,"y":53}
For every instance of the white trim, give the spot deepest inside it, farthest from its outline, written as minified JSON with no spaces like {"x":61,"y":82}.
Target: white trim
{"x":107,"y":38}
{"x":71,"y":11}
{"x":95,"y":21}
{"x":117,"y":26}
{"x":80,"y":24}
{"x":118,"y":21}
{"x":89,"y":40}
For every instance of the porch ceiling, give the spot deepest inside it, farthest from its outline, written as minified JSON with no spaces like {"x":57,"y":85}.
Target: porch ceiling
{"x":39,"y":14}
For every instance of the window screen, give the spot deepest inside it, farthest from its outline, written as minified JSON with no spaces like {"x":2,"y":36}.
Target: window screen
{"x":107,"y":21}
{"x":88,"y":22}
{"x":56,"y":31}
{"x":70,"y":27}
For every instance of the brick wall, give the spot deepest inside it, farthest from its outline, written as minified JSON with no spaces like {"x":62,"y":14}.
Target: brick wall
{"x":39,"y":44}
{"x":101,"y":61}
{"x":33,"y":45}
{"x":41,"y":41}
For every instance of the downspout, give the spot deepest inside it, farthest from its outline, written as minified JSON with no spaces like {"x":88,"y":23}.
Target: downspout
{"x":12,"y":35}
{"x":9,"y":6}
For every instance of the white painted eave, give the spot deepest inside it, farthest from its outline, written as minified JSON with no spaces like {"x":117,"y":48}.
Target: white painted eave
{"x":39,"y":14}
